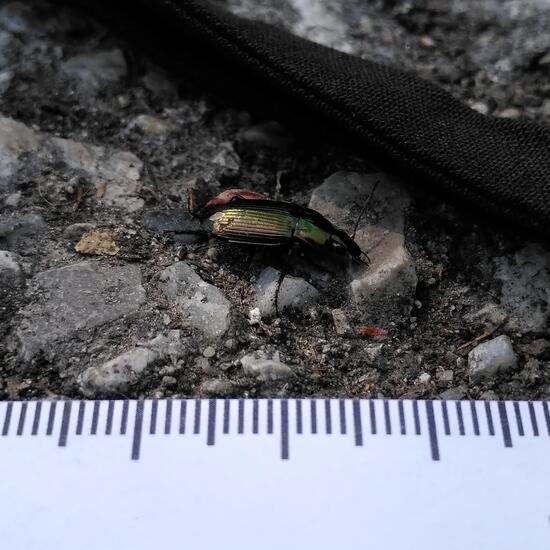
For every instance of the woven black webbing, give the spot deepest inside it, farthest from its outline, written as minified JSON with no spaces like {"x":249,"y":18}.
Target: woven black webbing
{"x":408,"y":125}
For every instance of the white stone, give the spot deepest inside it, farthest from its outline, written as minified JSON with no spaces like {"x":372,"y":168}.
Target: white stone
{"x":97,"y":68}
{"x":491,"y":358}
{"x":265,"y":368}
{"x":122,"y":371}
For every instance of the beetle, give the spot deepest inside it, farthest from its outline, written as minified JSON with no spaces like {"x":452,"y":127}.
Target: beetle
{"x":248,"y":217}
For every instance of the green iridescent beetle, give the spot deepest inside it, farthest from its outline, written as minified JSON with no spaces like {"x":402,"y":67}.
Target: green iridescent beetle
{"x":247,"y":217}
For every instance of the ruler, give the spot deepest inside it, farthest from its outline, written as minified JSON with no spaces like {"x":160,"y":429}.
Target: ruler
{"x":274,"y":474}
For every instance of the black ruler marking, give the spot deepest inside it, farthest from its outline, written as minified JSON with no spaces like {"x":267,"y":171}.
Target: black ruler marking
{"x":446,"y":423}
{"x":313,"y":412}
{"x":372,"y":414}
{"x":22,"y":415}
{"x":343,"y":427}
{"x":153,"y":420}
{"x":138,"y":426}
{"x":504,"y":424}
{"x":461,"y":429}
{"x":489,"y":414}
{"x":519,"y":419}
{"x":95,"y":418}
{"x":402,"y":422}
{"x":210,"y":438}
{"x":109,"y":421}
{"x":417,"y":430}
{"x":546,"y":416}
{"x":168,"y":417}
{"x":7,"y":419}
{"x":270,"y":416}
{"x":197,"y":426}
{"x":240,"y":427}
{"x":328,"y":417}
{"x":226,"y":415}
{"x":432,"y":429}
{"x":124,"y":417}
{"x":475,"y":420}
{"x":284,"y":430}
{"x":255,"y":416}
{"x":183,"y":415}
{"x":36,"y":419}
{"x":534,"y":423}
{"x":299,"y":425}
{"x":65,"y":419}
{"x":358,"y":429}
{"x":387,"y":417}
{"x":80,"y":417}
{"x":51,"y":418}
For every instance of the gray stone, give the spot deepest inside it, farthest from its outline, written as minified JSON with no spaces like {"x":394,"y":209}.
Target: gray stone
{"x":341,"y":322}
{"x":96,"y":68}
{"x":209,"y":352}
{"x":525,"y":288}
{"x":119,"y":373}
{"x":424,"y":378}
{"x":10,"y":270}
{"x":6,"y":77}
{"x":446,"y":376}
{"x":295,"y":293}
{"x":454,"y":394}
{"x":266,"y":289}
{"x":152,"y":126}
{"x":491,"y":358}
{"x":74,"y":231}
{"x":17,"y":17}
{"x":269,"y":135}
{"x":76,"y":297}
{"x":387,"y":287}
{"x":226,"y":157}
{"x":217,"y":388}
{"x":372,"y":352}
{"x":480,"y":107}
{"x":202,"y":305}
{"x":176,"y":223}
{"x":16,"y":139}
{"x":265,"y":367}
{"x":15,"y":229}
{"x":120,"y":171}
{"x":511,"y":112}
{"x":489,"y":395}
{"x":13,"y":199}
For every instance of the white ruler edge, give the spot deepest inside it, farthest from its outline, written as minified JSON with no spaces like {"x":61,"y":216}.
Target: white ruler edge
{"x":309,"y":473}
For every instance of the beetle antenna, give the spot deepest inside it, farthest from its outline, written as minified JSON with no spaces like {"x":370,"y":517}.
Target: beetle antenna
{"x":364,"y":208}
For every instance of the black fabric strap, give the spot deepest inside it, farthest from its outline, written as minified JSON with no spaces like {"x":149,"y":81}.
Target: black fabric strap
{"x":408,"y":126}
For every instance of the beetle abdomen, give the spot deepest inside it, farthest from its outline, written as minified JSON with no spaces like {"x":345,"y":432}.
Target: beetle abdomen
{"x":246,"y":225}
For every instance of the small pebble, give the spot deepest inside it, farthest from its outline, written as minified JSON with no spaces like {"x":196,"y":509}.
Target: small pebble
{"x":511,"y":112}
{"x":424,"y":378}
{"x":209,"y":352}
{"x":341,"y":323}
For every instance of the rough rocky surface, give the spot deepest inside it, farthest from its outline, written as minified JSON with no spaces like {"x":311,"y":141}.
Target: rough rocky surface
{"x":96,"y":137}
{"x":201,"y":305}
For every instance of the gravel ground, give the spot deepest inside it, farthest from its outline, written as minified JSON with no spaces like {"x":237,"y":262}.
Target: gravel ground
{"x":103,"y":291}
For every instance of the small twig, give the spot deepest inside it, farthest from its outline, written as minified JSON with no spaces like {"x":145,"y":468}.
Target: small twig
{"x":478,"y":339}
